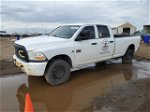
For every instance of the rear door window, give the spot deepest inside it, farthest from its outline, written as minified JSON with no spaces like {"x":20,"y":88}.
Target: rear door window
{"x":103,"y":31}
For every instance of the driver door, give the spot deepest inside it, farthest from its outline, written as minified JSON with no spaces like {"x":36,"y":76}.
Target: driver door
{"x":86,"y":49}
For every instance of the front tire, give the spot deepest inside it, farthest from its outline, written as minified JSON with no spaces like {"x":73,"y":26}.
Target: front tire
{"x":127,"y":58}
{"x":58,"y":72}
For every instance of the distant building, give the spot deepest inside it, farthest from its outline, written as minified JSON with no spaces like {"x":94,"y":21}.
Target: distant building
{"x":125,"y":28}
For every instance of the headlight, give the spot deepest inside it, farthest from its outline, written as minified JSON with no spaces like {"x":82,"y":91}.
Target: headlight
{"x":36,"y":56}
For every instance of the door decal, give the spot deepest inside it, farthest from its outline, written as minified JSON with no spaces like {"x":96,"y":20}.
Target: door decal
{"x":105,"y":47}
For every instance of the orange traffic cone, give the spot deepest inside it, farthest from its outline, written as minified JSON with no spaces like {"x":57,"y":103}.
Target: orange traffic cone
{"x":28,"y":104}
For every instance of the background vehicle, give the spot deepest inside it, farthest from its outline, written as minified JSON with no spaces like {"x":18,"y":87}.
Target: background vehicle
{"x":141,"y":33}
{"x":71,"y":47}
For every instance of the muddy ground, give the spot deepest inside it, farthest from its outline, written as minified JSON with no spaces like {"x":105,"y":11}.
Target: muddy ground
{"x":7,"y":51}
{"x":144,"y":51}
{"x":114,"y":87}
{"x":132,"y":97}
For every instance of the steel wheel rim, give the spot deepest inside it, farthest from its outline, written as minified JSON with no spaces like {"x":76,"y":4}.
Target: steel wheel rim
{"x":58,"y":72}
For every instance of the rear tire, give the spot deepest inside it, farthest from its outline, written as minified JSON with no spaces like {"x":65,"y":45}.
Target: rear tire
{"x":58,"y":72}
{"x":127,"y":58}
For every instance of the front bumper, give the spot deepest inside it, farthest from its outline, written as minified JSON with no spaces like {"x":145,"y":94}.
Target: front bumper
{"x":30,"y":68}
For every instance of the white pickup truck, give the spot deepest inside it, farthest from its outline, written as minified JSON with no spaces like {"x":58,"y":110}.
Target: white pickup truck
{"x":71,"y":46}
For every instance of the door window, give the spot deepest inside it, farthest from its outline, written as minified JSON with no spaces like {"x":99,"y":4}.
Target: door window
{"x":91,"y":30}
{"x":103,"y":32}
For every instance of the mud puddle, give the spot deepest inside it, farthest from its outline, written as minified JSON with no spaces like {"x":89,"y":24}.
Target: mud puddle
{"x":114,"y":87}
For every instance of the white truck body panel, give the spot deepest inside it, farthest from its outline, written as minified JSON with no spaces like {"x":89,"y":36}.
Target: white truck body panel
{"x":122,"y":43}
{"x":36,"y":43}
{"x":32,"y":68}
{"x":91,"y":51}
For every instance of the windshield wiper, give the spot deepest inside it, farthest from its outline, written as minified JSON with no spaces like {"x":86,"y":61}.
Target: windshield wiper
{"x":55,"y":35}
{"x":60,"y":36}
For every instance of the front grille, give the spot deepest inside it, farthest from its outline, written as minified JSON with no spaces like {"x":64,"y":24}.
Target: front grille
{"x":21,"y":52}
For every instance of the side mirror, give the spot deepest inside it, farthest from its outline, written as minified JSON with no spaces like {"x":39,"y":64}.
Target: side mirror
{"x":84,"y":35}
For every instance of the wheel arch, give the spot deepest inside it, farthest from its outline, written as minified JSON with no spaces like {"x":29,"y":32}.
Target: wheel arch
{"x":61,"y":56}
{"x":131,"y":46}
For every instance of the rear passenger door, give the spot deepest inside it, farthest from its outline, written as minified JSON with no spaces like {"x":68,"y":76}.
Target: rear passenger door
{"x":105,"y":42}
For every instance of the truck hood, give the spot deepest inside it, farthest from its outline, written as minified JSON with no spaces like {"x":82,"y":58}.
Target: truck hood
{"x":34,"y":43}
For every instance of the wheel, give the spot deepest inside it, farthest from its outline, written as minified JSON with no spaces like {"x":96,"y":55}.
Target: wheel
{"x":58,"y":72}
{"x":127,"y":58}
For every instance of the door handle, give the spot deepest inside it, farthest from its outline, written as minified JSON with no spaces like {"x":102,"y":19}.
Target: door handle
{"x":94,"y":43}
{"x":78,"y":50}
{"x":111,"y":41}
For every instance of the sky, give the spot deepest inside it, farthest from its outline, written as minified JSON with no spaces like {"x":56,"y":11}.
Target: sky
{"x":37,"y":15}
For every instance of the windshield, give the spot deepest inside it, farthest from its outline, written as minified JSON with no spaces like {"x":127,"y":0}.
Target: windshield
{"x":64,"y":31}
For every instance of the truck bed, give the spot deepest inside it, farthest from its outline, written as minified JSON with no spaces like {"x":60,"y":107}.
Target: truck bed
{"x":122,"y":44}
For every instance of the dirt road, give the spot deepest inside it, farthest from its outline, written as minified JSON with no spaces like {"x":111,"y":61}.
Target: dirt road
{"x":114,"y":87}
{"x":6,"y":53}
{"x":6,"y":48}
